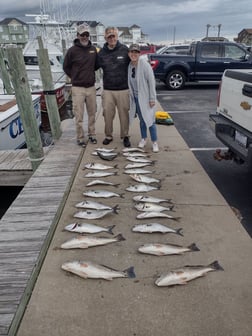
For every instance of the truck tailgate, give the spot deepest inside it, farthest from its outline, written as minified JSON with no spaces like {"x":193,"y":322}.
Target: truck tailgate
{"x":236,"y":98}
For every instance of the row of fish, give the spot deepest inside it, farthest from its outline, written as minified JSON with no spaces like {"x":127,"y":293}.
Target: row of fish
{"x":95,"y":210}
{"x":148,"y":206}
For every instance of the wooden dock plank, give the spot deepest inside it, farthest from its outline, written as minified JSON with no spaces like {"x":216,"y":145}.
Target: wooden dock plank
{"x":15,"y":166}
{"x":28,"y":225}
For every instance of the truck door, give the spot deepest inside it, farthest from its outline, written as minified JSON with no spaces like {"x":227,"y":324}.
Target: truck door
{"x":209,"y":62}
{"x":235,"y":57}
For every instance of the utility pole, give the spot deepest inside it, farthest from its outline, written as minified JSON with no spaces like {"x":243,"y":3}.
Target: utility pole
{"x":207,"y":26}
{"x":174,"y":34}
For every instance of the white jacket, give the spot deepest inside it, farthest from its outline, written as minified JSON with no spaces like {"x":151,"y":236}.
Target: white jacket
{"x":146,"y":86}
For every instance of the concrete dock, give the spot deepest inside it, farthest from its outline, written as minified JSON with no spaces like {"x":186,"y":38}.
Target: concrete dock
{"x":218,"y":304}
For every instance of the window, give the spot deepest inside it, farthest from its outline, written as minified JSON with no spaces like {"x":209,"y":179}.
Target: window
{"x":210,"y":51}
{"x":234,"y":52}
{"x":31,"y":60}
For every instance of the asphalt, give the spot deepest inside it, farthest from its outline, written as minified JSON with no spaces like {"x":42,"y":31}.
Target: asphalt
{"x":218,"y":304}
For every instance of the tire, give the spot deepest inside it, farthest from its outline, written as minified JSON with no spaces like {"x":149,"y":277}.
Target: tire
{"x":175,"y":80}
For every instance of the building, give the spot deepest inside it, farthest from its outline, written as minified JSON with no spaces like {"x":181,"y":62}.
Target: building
{"x":13,"y":31}
{"x":133,"y":34}
{"x":245,"y":37}
{"x":127,"y":35}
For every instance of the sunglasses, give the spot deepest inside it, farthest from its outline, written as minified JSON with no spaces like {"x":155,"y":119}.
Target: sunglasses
{"x":86,"y":34}
{"x":133,"y":74}
{"x":111,"y":36}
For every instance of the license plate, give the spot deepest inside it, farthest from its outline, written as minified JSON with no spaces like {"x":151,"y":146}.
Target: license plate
{"x":241,"y":139}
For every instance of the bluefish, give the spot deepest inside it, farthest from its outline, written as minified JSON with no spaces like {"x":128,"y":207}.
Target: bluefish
{"x":88,"y":228}
{"x":83,"y":242}
{"x":155,"y":228}
{"x":95,"y":214}
{"x":159,"y":249}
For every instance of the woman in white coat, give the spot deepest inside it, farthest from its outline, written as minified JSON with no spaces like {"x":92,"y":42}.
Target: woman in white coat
{"x":142,"y":87}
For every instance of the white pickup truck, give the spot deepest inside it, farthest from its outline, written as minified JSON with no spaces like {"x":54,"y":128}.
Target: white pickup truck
{"x":232,"y":122}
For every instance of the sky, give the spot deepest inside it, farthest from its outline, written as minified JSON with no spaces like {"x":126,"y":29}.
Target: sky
{"x":165,"y":21}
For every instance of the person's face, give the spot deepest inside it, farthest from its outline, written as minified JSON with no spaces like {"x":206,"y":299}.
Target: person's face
{"x":84,"y":37}
{"x":112,"y":40}
{"x":134,"y":55}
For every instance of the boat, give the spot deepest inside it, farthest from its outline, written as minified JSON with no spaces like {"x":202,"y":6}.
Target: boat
{"x":32,"y":66}
{"x":11,"y":128}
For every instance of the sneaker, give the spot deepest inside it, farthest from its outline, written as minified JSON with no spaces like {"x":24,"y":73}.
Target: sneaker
{"x":107,"y":141}
{"x":126,"y":142}
{"x":142,"y":143}
{"x":81,"y":143}
{"x":92,"y":140}
{"x":155,"y":148}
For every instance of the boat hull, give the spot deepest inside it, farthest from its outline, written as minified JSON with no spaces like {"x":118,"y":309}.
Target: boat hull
{"x":11,"y":128}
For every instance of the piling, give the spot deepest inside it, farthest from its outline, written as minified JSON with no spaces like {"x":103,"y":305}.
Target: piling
{"x":49,"y":91}
{"x":4,"y":72}
{"x":25,"y":105}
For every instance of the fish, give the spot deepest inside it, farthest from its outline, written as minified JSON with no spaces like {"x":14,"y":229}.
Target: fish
{"x":133,"y":149}
{"x":156,"y":228}
{"x":137,"y":171}
{"x":88,"y":228}
{"x":92,"y":205}
{"x":99,"y":173}
{"x":166,"y":249}
{"x":137,"y":165}
{"x":98,"y":166}
{"x":154,"y":214}
{"x":107,"y":156}
{"x":144,"y":179}
{"x":181,"y":276}
{"x":96,"y":182}
{"x":102,"y":193}
{"x":95,"y":214}
{"x":141,"y":187}
{"x":106,"y":150}
{"x":140,"y":206}
{"x":83,"y":242}
{"x":88,"y":269}
{"x":152,"y":207}
{"x":135,"y":154}
{"x":140,"y":160}
{"x":150,"y":199}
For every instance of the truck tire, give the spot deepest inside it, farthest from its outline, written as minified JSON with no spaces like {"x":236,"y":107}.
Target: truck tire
{"x":175,"y":80}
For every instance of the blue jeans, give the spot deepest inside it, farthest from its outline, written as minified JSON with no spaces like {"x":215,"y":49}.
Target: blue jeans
{"x":143,"y":127}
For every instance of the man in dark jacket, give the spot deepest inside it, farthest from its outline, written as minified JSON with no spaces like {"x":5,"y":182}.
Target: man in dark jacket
{"x":80,"y":64}
{"x":113,"y":59}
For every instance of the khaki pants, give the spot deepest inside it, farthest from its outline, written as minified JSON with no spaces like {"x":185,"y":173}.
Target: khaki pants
{"x":80,"y":97}
{"x":112,"y":100}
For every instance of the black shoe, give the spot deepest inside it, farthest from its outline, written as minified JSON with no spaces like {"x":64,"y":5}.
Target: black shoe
{"x":81,"y":143}
{"x":92,"y":140}
{"x":126,"y":142}
{"x":107,"y":141}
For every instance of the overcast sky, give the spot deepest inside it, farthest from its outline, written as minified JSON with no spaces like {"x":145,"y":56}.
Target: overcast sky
{"x":165,"y":21}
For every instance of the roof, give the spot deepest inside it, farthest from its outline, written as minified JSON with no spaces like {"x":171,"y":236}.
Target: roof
{"x":7,"y":21}
{"x":134,"y":26}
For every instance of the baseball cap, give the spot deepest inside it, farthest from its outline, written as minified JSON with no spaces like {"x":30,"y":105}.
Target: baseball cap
{"x":134,"y":47}
{"x":82,"y":29}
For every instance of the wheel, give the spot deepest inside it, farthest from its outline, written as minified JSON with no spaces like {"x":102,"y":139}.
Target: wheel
{"x":175,"y":80}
